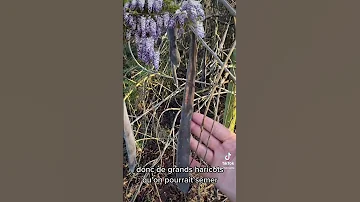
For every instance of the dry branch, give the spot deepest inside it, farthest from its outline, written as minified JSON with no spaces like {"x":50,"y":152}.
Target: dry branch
{"x":229,"y":7}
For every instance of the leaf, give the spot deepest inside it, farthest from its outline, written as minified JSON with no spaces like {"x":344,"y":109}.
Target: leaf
{"x":230,"y":102}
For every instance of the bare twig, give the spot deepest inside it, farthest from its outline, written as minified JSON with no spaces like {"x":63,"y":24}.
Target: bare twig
{"x":229,"y":7}
{"x":158,"y":104}
{"x":217,"y":79}
{"x":215,"y":56}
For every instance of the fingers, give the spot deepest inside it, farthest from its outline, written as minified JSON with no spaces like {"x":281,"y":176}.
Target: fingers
{"x":195,"y":163}
{"x":218,"y":130}
{"x":204,"y":135}
{"x":201,"y":150}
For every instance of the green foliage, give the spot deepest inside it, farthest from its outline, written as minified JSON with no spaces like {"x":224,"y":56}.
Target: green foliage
{"x":233,"y":56}
{"x":230,"y":103}
{"x":230,"y":107}
{"x":170,"y":6}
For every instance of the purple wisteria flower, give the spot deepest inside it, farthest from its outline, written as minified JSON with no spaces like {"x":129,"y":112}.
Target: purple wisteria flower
{"x":133,"y":4}
{"x":201,"y":13}
{"x":166,"y":18}
{"x":141,"y":4}
{"x":150,"y":4}
{"x":171,"y":22}
{"x":142,"y":23}
{"x":126,"y":17}
{"x":131,"y":22}
{"x":149,"y":50}
{"x":195,"y":14}
{"x":140,"y":47}
{"x":156,"y":59}
{"x":192,"y":13}
{"x":159,"y":25}
{"x":137,"y":40}
{"x":126,"y":6}
{"x":180,"y":17}
{"x":157,"y":6}
{"x":194,"y":10}
{"x":199,"y":29}
{"x":146,"y":23}
{"x":128,"y":34}
{"x":152,"y":25}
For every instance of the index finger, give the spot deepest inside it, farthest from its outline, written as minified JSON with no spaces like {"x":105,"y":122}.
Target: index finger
{"x":218,"y":130}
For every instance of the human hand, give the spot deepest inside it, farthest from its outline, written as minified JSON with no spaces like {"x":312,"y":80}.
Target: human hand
{"x":222,"y":141}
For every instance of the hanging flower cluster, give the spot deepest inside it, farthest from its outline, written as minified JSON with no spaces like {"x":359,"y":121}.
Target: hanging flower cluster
{"x":194,"y":16}
{"x":148,"y":20}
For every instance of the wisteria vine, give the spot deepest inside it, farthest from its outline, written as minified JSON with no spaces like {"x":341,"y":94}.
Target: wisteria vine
{"x":146,"y":21}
